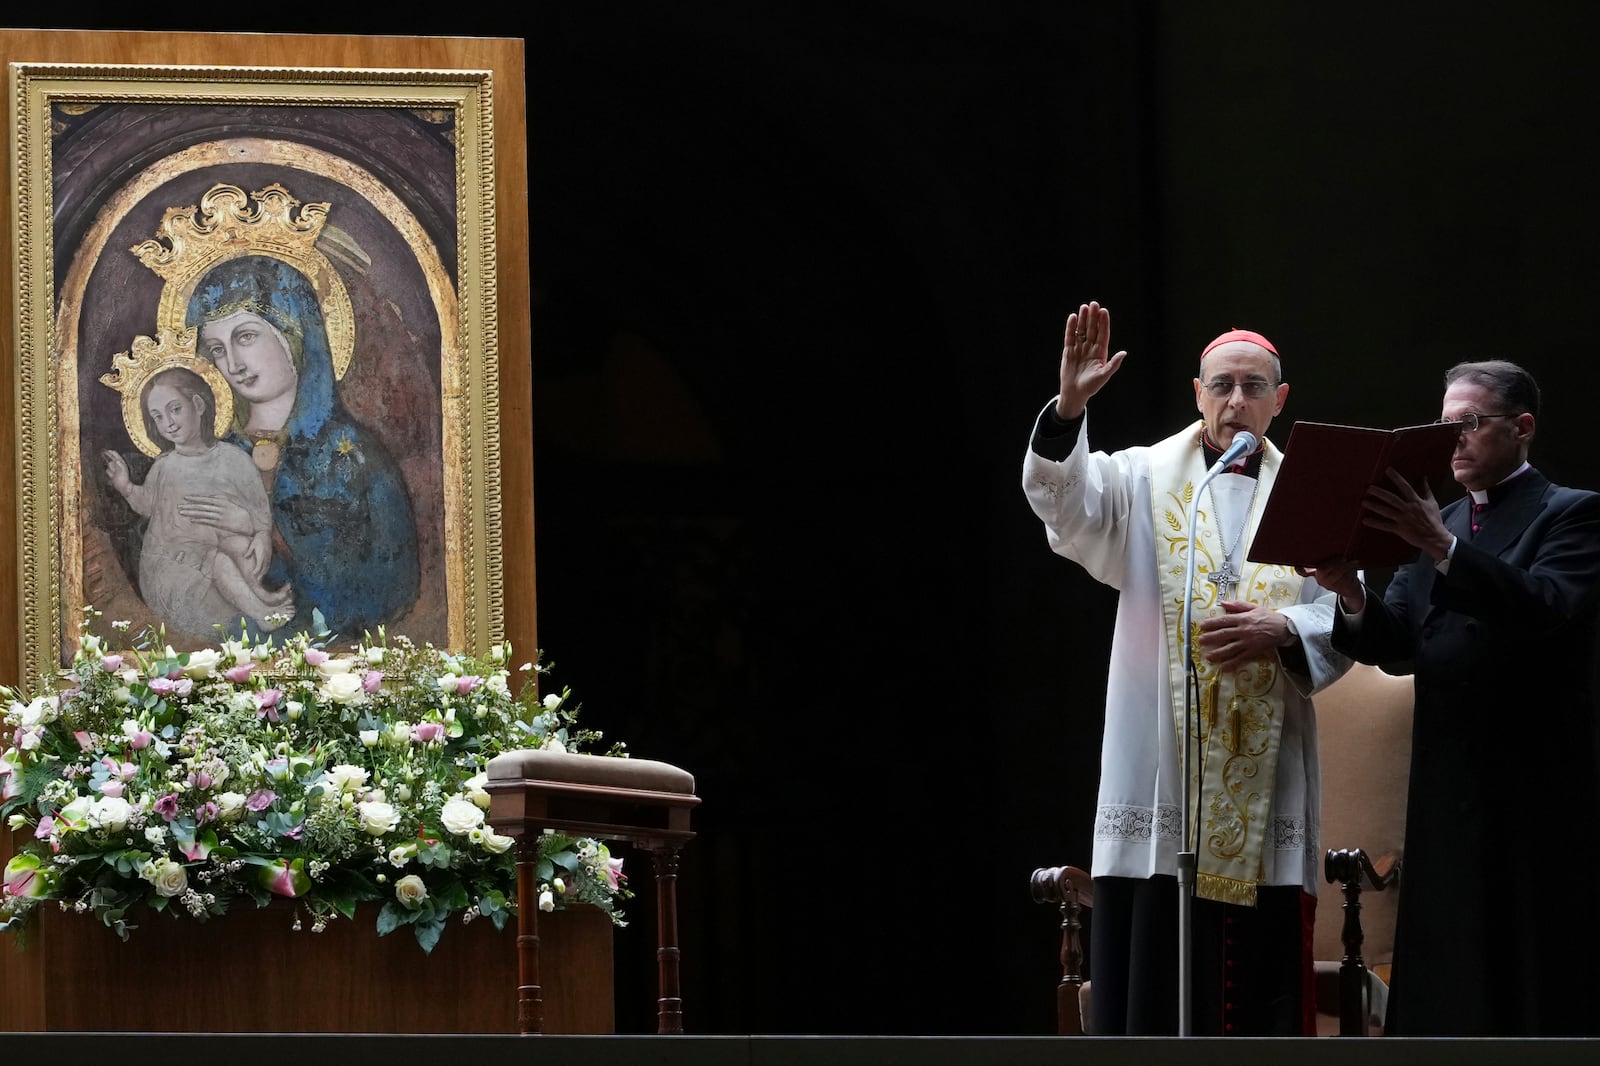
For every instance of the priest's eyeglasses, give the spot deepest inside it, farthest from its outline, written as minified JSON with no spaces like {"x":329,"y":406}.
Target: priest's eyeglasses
{"x":1469,"y":421}
{"x":1222,"y":388}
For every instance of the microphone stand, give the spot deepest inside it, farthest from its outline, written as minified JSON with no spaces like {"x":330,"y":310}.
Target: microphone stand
{"x":1191,"y":695}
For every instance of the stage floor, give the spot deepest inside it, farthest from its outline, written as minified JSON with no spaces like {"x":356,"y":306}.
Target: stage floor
{"x":158,"y":1049}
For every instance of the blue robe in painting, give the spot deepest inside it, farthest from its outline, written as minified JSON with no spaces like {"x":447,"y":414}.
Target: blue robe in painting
{"x":338,"y":500}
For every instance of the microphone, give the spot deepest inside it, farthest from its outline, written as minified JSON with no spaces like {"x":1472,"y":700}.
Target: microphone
{"x":1244,"y":442}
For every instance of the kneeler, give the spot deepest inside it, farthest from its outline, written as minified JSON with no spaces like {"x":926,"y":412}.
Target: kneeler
{"x":644,"y":803}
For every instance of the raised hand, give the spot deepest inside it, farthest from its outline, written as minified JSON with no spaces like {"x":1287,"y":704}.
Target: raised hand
{"x":116,"y":471}
{"x":1084,"y":366}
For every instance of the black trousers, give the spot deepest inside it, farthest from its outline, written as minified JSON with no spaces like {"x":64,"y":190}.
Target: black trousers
{"x":1250,"y":966}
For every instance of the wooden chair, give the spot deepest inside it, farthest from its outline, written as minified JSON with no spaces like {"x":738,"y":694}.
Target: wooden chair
{"x":1364,"y":744}
{"x":1364,"y":740}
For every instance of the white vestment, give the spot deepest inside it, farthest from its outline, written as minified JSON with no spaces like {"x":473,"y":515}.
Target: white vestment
{"x":1097,"y":511}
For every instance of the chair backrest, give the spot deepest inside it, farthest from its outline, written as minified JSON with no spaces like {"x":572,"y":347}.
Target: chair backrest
{"x":1364,"y":742}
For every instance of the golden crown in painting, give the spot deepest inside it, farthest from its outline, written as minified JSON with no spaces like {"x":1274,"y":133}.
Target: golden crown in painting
{"x":229,"y":224}
{"x":132,"y":370}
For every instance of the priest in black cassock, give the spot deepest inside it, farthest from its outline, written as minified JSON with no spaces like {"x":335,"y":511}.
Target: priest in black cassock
{"x":1496,"y":933}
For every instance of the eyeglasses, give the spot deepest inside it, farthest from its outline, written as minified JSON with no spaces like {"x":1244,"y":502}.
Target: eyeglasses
{"x":1222,"y":388}
{"x":1469,"y":421}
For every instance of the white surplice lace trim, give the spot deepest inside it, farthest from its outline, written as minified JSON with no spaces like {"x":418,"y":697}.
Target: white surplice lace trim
{"x":1121,"y":823}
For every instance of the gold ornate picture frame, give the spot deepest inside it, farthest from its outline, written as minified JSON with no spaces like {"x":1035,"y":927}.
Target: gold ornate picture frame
{"x":304,"y":261}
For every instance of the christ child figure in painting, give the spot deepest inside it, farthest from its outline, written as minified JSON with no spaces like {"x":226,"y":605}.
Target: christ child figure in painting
{"x":196,"y":576}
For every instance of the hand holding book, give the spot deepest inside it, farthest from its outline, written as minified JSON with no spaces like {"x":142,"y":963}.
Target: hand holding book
{"x":1354,"y":493}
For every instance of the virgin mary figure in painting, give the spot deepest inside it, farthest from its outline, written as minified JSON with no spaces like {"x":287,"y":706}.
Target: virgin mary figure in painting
{"x":345,"y":540}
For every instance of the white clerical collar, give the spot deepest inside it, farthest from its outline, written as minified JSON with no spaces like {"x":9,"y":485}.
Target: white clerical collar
{"x":1482,"y":495}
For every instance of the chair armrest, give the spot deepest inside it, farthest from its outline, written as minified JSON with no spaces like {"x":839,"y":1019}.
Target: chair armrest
{"x":1072,"y":890}
{"x":1346,"y":867}
{"x":1059,"y":884}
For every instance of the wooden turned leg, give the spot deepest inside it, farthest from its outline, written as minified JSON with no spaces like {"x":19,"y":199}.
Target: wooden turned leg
{"x":669,"y":1012}
{"x":530,"y":997}
{"x":1344,"y":867}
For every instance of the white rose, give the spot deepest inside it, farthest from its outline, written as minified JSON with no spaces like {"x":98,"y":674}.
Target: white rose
{"x":377,"y":817}
{"x":460,"y":816}
{"x":410,"y":891}
{"x":494,"y":843}
{"x":343,"y":688}
{"x":110,"y":813}
{"x":347,"y":778}
{"x":171,"y":878}
{"x":203,"y":663}
{"x":230,"y":806}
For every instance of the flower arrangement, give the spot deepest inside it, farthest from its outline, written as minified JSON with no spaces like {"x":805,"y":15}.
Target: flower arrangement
{"x":189,"y":783}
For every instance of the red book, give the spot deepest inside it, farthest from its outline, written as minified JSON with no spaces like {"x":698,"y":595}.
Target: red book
{"x":1315,"y":511}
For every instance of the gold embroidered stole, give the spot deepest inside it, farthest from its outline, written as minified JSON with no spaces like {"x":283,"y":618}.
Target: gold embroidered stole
{"x":1234,"y":736}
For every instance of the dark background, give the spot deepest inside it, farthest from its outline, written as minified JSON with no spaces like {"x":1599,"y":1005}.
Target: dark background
{"x":800,"y":274}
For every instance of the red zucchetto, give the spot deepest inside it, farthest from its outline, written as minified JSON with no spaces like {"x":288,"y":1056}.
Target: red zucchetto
{"x":1240,"y":335}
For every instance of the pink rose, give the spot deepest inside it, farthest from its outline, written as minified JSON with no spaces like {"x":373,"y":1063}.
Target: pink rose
{"x":162,"y":686}
{"x":111,"y":787}
{"x":316,"y":656}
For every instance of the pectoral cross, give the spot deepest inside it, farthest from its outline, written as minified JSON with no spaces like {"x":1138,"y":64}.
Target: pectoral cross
{"x":1226,"y":579}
